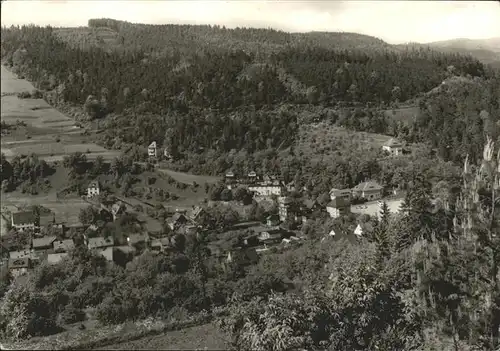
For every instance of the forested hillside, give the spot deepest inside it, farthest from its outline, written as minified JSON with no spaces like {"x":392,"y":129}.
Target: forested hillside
{"x":208,"y":95}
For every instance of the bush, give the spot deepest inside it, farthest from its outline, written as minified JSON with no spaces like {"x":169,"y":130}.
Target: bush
{"x":71,"y":315}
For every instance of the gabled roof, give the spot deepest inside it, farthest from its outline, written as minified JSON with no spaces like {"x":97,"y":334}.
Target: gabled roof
{"x":178,"y":217}
{"x":118,"y":208}
{"x":273,"y":216}
{"x":335,"y":190}
{"x":195,"y":212}
{"x":310,"y":203}
{"x":125,"y":249}
{"x":44,"y":242}
{"x":230,"y":174}
{"x":252,"y":174}
{"x":393,"y":143}
{"x":94,"y":184}
{"x":370,"y":185}
{"x":152,"y":145}
{"x":362,"y":228}
{"x":64,"y":245}
{"x":99,"y":242}
{"x":23,"y":218}
{"x":337,"y":203}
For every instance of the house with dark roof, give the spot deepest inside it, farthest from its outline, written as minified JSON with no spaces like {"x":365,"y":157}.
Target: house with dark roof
{"x":338,"y":207}
{"x":23,"y":220}
{"x":393,"y":147}
{"x":46,"y":220}
{"x":19,"y":266}
{"x":93,"y":189}
{"x":45,"y":243}
{"x":368,"y":190}
{"x":177,"y":220}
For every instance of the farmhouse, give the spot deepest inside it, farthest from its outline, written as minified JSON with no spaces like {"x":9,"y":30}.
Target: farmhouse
{"x":338,"y":207}
{"x":152,"y":149}
{"x":23,"y":220}
{"x":342,"y":193}
{"x":93,"y":189}
{"x":368,"y":190}
{"x":19,"y":266}
{"x":393,"y":146}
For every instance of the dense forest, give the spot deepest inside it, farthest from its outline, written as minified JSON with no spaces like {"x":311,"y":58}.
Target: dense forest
{"x":246,"y":99}
{"x":219,"y":99}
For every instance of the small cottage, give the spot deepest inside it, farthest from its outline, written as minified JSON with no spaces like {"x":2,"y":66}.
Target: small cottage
{"x":45,"y":243}
{"x":19,"y":266}
{"x":393,"y":147}
{"x":61,"y":246}
{"x":152,"y":149}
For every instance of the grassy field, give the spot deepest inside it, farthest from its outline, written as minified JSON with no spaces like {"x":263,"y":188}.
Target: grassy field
{"x":187,"y":178}
{"x":203,"y":337}
{"x":323,"y":140}
{"x":48,"y":132}
{"x":403,"y":114}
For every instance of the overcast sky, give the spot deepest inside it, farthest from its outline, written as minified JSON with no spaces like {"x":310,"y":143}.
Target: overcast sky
{"x":392,"y":21}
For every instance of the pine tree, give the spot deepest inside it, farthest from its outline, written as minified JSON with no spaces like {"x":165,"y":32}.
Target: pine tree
{"x":381,"y":236}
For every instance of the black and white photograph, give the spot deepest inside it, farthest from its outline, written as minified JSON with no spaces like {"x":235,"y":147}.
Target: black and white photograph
{"x":250,"y":175}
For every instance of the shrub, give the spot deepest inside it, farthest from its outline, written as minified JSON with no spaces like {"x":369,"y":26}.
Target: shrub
{"x":71,"y":315}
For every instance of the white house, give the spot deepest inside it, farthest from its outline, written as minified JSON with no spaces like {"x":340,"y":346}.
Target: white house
{"x":368,"y":190}
{"x":93,"y":189}
{"x":362,"y":229}
{"x":166,"y":154}
{"x":342,"y":193}
{"x":152,"y":149}
{"x":393,"y":146}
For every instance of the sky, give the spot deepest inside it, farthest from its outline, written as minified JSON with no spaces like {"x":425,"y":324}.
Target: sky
{"x":393,"y":21}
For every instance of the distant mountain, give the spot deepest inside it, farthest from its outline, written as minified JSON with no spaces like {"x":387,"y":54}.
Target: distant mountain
{"x":485,"y":50}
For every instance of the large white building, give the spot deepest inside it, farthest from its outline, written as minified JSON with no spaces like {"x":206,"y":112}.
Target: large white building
{"x":274,"y":188}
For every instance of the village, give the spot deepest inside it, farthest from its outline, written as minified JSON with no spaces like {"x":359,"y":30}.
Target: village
{"x":51,"y":239}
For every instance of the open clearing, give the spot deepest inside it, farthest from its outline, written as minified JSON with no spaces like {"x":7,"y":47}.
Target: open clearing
{"x":203,"y":337}
{"x":187,"y":178}
{"x":65,"y":210}
{"x":404,"y":114}
{"x":48,"y":133}
{"x":323,"y":141}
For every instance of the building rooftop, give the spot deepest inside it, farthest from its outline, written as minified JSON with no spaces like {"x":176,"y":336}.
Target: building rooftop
{"x":152,"y":145}
{"x":95,"y":243}
{"x":44,"y":242}
{"x":94,"y":184}
{"x":137,"y":238}
{"x":370,"y":185}
{"x":393,"y":143}
{"x":338,"y":203}
{"x":54,"y":258}
{"x":23,"y":218}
